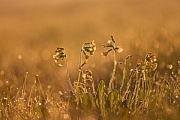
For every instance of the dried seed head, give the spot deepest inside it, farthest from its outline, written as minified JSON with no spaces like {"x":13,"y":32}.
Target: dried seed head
{"x":154,"y":66}
{"x":59,"y":56}
{"x":83,"y":76}
{"x":89,"y":47}
{"x":104,"y":53}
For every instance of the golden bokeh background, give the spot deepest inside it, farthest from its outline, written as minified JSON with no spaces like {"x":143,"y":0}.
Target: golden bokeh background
{"x":30,"y":31}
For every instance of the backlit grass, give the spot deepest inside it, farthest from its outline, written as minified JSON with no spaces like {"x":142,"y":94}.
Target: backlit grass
{"x":136,"y":92}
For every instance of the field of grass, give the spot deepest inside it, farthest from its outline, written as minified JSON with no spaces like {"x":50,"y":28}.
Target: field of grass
{"x":140,"y":82}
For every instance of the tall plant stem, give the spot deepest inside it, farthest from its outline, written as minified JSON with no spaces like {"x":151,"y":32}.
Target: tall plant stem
{"x":111,"y":84}
{"x":124,"y":77}
{"x":68,"y":76}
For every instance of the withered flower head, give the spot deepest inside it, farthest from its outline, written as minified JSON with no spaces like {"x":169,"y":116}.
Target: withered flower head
{"x":89,"y":47}
{"x":119,"y":49}
{"x":59,"y":56}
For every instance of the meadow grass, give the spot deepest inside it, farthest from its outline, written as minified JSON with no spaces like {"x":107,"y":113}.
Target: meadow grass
{"x":136,"y":92}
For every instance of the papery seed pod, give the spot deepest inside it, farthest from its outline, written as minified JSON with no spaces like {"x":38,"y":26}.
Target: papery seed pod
{"x":83,"y":76}
{"x":129,"y":56}
{"x":109,"y":42}
{"x":60,"y":49}
{"x":86,"y":56}
{"x":113,"y":39}
{"x":103,"y":46}
{"x":119,"y":49}
{"x":104,"y":53}
{"x":154,"y":66}
{"x":138,"y":65}
{"x":92,"y":53}
{"x":88,"y":73}
{"x":154,"y":59}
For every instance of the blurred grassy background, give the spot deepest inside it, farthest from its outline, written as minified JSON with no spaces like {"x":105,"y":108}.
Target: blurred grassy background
{"x":31,"y":30}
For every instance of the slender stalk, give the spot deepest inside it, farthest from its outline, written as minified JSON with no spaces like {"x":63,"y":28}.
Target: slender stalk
{"x":24,"y":85}
{"x":93,"y":89}
{"x":125,"y":95}
{"x":111,"y":84}
{"x":68,"y":76}
{"x":136,"y":97}
{"x":135,"y":90}
{"x":124,"y":75}
{"x":80,"y":70}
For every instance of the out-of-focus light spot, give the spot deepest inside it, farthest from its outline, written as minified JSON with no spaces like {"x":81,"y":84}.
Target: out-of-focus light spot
{"x":93,"y":65}
{"x":60,"y":93}
{"x":156,"y":46}
{"x":169,"y":66}
{"x":49,"y":86}
{"x":162,"y":64}
{"x":2,"y":72}
{"x":7,"y":82}
{"x":168,"y":53}
{"x":66,"y":116}
{"x":171,"y":49}
{"x":19,"y":57}
{"x":46,"y":55}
